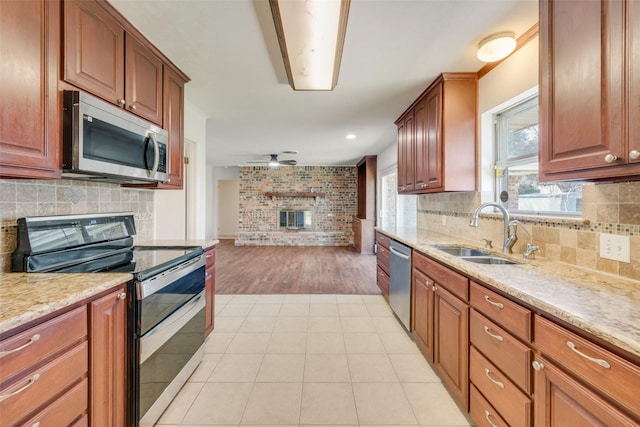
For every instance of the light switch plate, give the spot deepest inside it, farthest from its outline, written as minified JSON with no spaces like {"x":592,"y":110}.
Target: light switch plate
{"x":615,"y":247}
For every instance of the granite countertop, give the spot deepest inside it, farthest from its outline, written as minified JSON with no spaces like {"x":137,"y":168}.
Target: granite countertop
{"x":27,"y":296}
{"x":205,"y":243}
{"x":604,"y":305}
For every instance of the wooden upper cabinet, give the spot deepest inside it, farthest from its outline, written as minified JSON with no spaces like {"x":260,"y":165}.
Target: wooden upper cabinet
{"x":94,"y":50}
{"x":437,"y":137}
{"x":103,"y":59}
{"x":589,"y":89}
{"x":174,"y":124}
{"x":30,"y":114}
{"x":143,"y":88}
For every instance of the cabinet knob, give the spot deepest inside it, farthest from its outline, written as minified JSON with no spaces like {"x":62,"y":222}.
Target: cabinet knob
{"x":122,"y":295}
{"x":132,"y":107}
{"x":537,"y":365}
{"x":634,"y":154}
{"x":610,"y":158}
{"x":121,"y":101}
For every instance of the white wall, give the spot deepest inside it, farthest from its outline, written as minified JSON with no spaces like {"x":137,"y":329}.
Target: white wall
{"x":228,"y":207}
{"x":172,"y":218}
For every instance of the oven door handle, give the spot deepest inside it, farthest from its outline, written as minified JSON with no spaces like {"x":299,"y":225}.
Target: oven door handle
{"x":154,"y":284}
{"x":156,"y":337}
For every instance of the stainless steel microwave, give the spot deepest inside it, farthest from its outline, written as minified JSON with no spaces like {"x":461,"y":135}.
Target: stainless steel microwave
{"x":102,"y":142}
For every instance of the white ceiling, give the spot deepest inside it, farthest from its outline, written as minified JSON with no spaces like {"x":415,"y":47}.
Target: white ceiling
{"x":393,"y":50}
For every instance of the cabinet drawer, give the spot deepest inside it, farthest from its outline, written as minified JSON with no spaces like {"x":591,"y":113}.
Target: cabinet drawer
{"x":383,"y":281}
{"x":383,"y":240}
{"x":66,"y":409}
{"x":41,"y":386}
{"x":606,"y":372}
{"x":513,"y":317}
{"x":482,"y":412}
{"x":210,"y":256}
{"x":383,"y":258}
{"x":41,"y":342}
{"x":507,"y":353}
{"x":513,"y":405}
{"x":454,"y":282}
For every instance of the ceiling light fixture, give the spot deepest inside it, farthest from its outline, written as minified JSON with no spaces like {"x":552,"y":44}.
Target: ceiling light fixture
{"x":496,"y":46}
{"x":274,"y":161}
{"x":311,"y":36}
{"x":351,"y":136}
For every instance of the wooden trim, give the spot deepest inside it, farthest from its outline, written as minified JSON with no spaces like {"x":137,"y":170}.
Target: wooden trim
{"x":294,"y":194}
{"x":525,"y":38}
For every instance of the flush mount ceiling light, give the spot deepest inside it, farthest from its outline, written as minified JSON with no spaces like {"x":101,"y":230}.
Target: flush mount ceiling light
{"x":496,"y":46}
{"x":351,"y":136}
{"x":311,"y":36}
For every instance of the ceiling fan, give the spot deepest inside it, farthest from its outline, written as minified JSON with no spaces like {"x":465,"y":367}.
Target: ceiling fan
{"x":275,"y":162}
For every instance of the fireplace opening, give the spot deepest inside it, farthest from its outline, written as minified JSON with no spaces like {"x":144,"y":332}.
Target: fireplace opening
{"x":296,"y":219}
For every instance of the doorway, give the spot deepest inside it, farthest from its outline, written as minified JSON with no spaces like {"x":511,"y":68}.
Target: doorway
{"x":228,"y":208}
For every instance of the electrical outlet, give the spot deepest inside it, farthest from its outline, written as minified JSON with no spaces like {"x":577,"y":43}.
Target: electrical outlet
{"x":615,"y":247}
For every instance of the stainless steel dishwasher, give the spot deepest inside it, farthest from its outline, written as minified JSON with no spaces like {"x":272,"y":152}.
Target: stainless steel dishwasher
{"x":400,"y":282}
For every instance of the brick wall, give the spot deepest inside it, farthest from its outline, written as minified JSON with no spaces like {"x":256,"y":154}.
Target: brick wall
{"x":333,"y":212}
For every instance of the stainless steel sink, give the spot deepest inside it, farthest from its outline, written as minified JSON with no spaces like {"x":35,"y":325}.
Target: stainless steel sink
{"x":461,"y":251}
{"x":487,"y":260}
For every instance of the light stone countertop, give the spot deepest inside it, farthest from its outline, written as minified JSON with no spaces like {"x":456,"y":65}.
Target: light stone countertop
{"x":27,"y":296}
{"x":204,"y":243}
{"x":607,"y":306}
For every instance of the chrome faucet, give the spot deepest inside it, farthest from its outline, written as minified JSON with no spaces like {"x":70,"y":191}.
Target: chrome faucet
{"x":509,"y":239}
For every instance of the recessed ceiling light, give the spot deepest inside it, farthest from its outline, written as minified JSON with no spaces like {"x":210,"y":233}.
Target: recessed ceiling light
{"x":351,"y":136}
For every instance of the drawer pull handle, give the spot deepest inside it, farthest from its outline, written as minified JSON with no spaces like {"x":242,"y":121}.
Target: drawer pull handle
{"x":32,"y":380}
{"x":497,"y":304}
{"x":33,"y":339}
{"x":497,"y":337}
{"x":600,"y":362}
{"x":122,"y":295}
{"x":537,"y":365}
{"x":487,"y":372}
{"x":487,"y":415}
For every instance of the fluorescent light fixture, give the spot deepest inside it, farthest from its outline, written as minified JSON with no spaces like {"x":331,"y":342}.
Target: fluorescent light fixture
{"x":496,"y":46}
{"x":311,"y":36}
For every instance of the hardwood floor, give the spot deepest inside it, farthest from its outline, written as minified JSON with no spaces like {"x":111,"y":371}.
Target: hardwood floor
{"x":293,"y":270}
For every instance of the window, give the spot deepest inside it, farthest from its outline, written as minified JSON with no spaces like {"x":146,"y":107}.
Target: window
{"x":395,"y":210}
{"x":516,"y":167}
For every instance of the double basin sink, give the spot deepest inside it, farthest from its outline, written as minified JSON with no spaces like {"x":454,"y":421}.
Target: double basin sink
{"x":477,"y":256}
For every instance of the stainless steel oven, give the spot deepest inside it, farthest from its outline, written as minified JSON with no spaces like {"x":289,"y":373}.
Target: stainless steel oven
{"x":166,"y":315}
{"x":169,"y":335}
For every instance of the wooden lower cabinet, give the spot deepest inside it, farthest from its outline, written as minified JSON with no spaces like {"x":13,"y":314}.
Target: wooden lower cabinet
{"x":451,"y":347}
{"x":561,"y":401}
{"x":108,"y":355}
{"x":423,"y":300}
{"x":210,"y":289}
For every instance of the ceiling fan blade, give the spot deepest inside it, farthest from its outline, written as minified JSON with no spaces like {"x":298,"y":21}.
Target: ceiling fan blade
{"x":288,"y":162}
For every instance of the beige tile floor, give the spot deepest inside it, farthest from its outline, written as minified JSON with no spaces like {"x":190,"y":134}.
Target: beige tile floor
{"x":311,"y":360}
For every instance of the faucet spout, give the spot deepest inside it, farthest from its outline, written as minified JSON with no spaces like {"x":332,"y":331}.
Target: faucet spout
{"x":507,"y":242}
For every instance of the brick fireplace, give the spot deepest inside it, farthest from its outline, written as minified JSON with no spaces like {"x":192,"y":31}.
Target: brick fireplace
{"x":318,"y":203}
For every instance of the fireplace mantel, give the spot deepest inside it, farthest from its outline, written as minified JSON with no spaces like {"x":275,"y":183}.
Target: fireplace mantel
{"x":313,"y":194}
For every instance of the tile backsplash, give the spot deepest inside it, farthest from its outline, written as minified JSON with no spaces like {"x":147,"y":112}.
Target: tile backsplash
{"x":607,"y":208}
{"x":21,"y":198}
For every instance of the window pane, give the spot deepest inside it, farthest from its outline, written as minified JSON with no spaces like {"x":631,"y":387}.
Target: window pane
{"x":523,"y":132}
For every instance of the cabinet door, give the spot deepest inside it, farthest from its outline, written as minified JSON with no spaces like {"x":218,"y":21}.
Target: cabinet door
{"x":94,"y":50}
{"x":561,"y":401}
{"x":581,"y":88}
{"x":633,"y":17}
{"x":210,"y":290}
{"x":451,"y":349}
{"x":405,"y":154}
{"x":433,"y":139}
{"x":420,"y":146}
{"x":174,"y":124}
{"x":423,"y":290}
{"x":29,"y":137}
{"x":143,"y":82}
{"x":108,"y":355}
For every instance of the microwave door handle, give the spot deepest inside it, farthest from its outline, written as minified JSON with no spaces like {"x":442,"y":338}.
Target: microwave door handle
{"x":156,"y":155}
